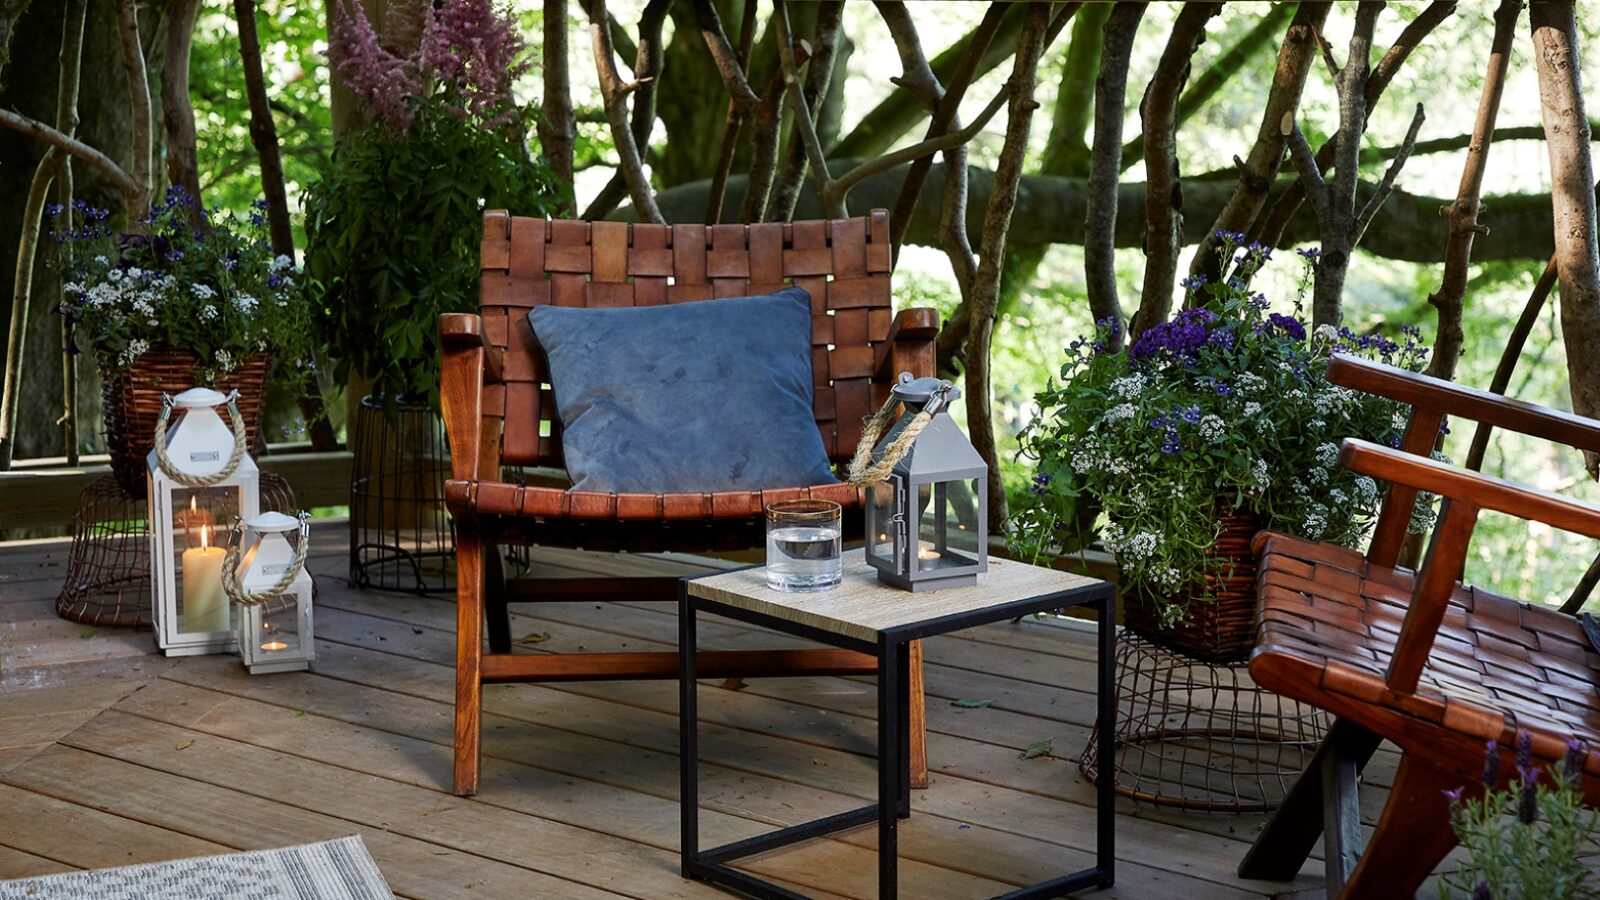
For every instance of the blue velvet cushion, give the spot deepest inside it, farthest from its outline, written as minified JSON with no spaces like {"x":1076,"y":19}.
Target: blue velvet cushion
{"x":695,"y":397}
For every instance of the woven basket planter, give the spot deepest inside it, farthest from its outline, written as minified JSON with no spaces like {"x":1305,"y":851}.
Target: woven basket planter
{"x":1220,"y":630}
{"x":133,"y":404}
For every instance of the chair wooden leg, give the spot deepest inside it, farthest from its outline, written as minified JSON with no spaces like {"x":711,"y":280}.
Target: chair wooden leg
{"x":918,"y":745}
{"x":1284,"y":845}
{"x":497,"y":614}
{"x":469,"y":660}
{"x":1412,"y":836}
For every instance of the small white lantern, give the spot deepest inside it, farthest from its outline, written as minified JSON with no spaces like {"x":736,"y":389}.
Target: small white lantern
{"x":199,"y":477}
{"x":266,"y":575}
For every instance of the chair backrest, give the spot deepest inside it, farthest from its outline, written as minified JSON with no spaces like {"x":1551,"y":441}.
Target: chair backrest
{"x":524,"y":262}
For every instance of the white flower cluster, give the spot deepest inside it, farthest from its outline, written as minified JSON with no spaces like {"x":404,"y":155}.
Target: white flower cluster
{"x":202,"y":291}
{"x":1316,"y":523}
{"x":1259,"y":475}
{"x":282,"y":262}
{"x":1250,"y":383}
{"x":1213,"y":429}
{"x":1252,"y":408}
{"x":133,"y":351}
{"x":1129,"y":387}
{"x":246,"y":303}
{"x":1120,"y":412}
{"x":1366,"y":490}
{"x":1327,"y":455}
{"x":224,"y":361}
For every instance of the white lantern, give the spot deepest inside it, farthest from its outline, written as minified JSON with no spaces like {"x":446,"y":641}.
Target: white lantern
{"x":266,"y":575}
{"x":200,"y":478}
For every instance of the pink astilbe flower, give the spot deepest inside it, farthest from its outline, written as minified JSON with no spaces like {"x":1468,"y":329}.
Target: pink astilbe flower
{"x":384,"y":82}
{"x":470,"y":52}
{"x":476,"y":49}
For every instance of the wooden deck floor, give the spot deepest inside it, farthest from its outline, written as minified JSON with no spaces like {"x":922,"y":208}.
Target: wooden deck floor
{"x":112,"y":755}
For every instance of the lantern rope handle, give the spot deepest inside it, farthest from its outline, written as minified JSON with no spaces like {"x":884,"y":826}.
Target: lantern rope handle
{"x":240,"y":445}
{"x":863,"y":470}
{"x":230,"y":567}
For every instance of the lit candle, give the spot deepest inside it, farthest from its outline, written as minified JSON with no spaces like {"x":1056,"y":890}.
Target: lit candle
{"x":926,"y":550}
{"x":272,"y":645}
{"x":205,"y":607}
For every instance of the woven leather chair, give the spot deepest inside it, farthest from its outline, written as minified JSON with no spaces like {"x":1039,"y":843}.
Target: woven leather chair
{"x":1417,"y":658}
{"x":499,"y":412}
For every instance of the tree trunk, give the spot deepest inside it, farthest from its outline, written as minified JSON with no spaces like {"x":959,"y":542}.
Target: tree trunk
{"x":1164,"y":188}
{"x":557,"y":128}
{"x":183,"y":165}
{"x":996,"y":223}
{"x":1102,"y":200}
{"x":1463,"y":214}
{"x":1566,"y":126}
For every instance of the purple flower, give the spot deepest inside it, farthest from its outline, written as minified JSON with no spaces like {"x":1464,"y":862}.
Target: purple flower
{"x":1572,"y":761}
{"x":1190,"y":414}
{"x":1528,"y":797}
{"x":1040,"y":482}
{"x":1454,"y":796}
{"x":1222,"y":339}
{"x":1289,"y":325}
{"x":1524,"y":751}
{"x":1482,"y":892}
{"x":1491,"y":755}
{"x":1194,"y":282}
{"x":1180,"y":338}
{"x":1310,"y":254}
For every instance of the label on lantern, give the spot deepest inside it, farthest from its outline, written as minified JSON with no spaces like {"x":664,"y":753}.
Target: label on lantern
{"x":205,"y":456}
{"x":275,"y":569}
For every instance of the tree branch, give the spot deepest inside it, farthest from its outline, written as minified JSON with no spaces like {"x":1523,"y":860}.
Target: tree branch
{"x":1382,"y":74}
{"x":1105,"y":162}
{"x":730,"y":66}
{"x":615,"y":96}
{"x":139,"y":94}
{"x":1386,"y":183}
{"x":820,"y":74}
{"x":1164,"y":188}
{"x":183,"y":165}
{"x":647,"y":74}
{"x":733,"y":123}
{"x":834,"y":190}
{"x":101,"y":163}
{"x":1219,"y":73}
{"x":1449,"y":299}
{"x":1261,"y":167}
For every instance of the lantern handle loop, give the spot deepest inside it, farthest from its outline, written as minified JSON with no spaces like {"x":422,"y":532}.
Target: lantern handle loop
{"x":171,"y":470}
{"x":230,"y":566}
{"x":864,"y":469}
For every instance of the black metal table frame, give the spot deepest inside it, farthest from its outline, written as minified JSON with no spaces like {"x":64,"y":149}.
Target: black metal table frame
{"x":713,"y":865}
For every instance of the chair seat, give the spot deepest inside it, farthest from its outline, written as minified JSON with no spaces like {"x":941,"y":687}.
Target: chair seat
{"x":493,"y":498}
{"x":1326,"y":628}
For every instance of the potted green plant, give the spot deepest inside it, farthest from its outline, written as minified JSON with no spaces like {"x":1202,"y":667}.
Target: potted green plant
{"x":168,"y":306}
{"x":393,"y":230}
{"x":1209,"y":427}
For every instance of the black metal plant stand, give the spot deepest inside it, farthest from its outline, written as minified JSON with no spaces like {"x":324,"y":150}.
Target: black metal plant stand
{"x":401,"y":537}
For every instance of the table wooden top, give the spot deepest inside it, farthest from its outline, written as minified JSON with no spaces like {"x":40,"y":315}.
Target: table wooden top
{"x":862,"y":607}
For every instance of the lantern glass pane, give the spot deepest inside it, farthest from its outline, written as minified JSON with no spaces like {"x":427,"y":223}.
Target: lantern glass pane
{"x":881,"y":542}
{"x":201,"y":520}
{"x":279,"y":634}
{"x":946,"y":525}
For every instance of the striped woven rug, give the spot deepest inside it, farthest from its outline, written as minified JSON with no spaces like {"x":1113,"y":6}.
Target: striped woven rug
{"x":332,"y":870}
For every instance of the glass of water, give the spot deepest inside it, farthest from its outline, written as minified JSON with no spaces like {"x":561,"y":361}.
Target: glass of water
{"x":803,"y":545}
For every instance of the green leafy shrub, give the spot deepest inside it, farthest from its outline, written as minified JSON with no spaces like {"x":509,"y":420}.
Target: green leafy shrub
{"x":393,"y":231}
{"x":1225,"y":407}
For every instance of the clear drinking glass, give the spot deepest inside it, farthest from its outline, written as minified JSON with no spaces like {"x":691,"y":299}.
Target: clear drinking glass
{"x":803,"y":545}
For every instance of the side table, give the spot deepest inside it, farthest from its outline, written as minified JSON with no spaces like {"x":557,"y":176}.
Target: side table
{"x":862,"y":614}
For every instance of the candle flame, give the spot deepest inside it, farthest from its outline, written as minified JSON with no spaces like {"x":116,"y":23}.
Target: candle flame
{"x":192,"y":507}
{"x":205,"y":537}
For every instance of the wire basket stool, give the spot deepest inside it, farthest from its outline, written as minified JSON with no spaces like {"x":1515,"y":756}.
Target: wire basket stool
{"x":108,"y":567}
{"x":1201,"y":735}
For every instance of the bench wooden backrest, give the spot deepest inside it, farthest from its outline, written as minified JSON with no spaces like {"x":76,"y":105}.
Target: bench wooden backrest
{"x":524,"y":262}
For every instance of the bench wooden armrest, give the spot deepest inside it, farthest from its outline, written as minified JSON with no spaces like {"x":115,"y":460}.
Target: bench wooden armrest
{"x":910,"y":345}
{"x":1437,"y":395}
{"x":1465,"y":486}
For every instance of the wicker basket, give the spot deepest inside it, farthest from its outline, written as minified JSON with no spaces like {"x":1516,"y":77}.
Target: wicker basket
{"x":133,"y":403}
{"x":1220,"y":630}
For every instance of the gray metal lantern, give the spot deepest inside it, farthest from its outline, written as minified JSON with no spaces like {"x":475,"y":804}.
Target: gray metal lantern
{"x":927,"y":492}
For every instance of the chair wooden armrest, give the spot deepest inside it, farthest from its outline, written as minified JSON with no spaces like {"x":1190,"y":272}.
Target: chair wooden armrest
{"x":1437,"y":395}
{"x":1465,"y":486}
{"x":464,"y":331}
{"x":910,"y":345}
{"x":467,"y":364}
